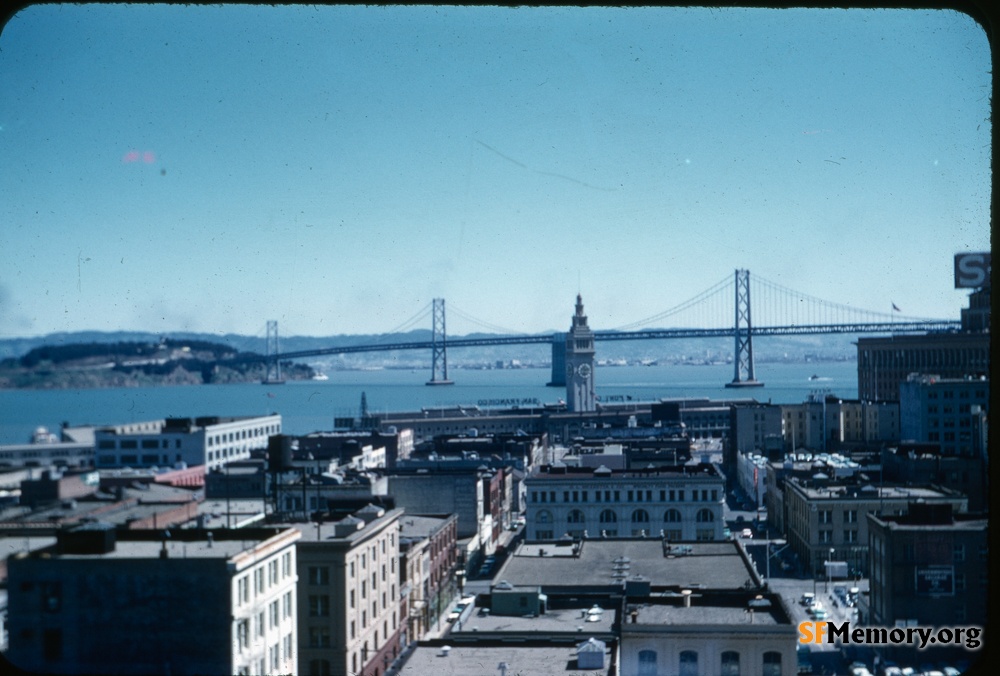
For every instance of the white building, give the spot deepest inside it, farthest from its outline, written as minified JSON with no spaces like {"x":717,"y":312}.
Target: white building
{"x":210,"y":441}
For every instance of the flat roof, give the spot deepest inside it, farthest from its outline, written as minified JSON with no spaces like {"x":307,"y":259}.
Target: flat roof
{"x":478,"y":660}
{"x":612,"y":561}
{"x":573,"y":619}
{"x":708,"y":613}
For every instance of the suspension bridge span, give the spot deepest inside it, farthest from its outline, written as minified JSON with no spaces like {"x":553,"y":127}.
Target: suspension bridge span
{"x":724,"y":311}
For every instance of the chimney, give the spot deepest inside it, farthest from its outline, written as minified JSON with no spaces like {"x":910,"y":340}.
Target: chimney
{"x":687,"y":597}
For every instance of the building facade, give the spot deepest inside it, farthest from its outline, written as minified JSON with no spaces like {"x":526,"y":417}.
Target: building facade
{"x":944,"y":411}
{"x":826,"y":520}
{"x":349,"y":594}
{"x":211,"y":441}
{"x":102,"y":601}
{"x":884,"y":363}
{"x":684,"y":502}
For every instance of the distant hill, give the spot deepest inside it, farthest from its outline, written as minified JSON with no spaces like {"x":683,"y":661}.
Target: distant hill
{"x":132,"y":363}
{"x":770,"y":349}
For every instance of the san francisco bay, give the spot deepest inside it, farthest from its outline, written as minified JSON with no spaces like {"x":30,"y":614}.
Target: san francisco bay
{"x":308,"y":406}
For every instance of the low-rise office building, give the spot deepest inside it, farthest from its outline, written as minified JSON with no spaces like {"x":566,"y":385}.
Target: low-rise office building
{"x":106,"y":601}
{"x":929,"y":567}
{"x":683,"y":502}
{"x":211,"y":441}
{"x":709,"y":633}
{"x":826,"y":519}
{"x":945,"y":411}
{"x":350,"y":616}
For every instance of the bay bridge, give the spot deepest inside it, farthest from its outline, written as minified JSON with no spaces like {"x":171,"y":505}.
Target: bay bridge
{"x":724,"y":310}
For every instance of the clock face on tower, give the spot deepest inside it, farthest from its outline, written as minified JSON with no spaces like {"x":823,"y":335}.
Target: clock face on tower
{"x":583,"y":370}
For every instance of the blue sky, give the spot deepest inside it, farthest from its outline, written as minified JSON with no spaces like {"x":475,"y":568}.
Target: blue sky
{"x":181,"y":168}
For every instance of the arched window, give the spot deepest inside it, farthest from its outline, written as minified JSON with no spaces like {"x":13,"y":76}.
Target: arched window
{"x":672,"y":516}
{"x":576,"y":516}
{"x":730,"y":663}
{"x":608,"y":516}
{"x":705,"y":516}
{"x":689,"y":663}
{"x":640,"y":516}
{"x":543,"y":516}
{"x":647,"y":663}
{"x":772,"y":663}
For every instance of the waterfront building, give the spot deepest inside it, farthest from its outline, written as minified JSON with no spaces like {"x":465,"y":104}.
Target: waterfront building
{"x":350,"y":618}
{"x":45,"y":449}
{"x":107,"y":601}
{"x":825,"y":516}
{"x":211,"y":441}
{"x":683,"y":502}
{"x":949,"y":412}
{"x":580,"y":396}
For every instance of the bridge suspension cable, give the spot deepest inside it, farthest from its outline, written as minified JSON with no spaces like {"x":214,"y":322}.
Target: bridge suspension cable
{"x":454,"y":310}
{"x":778,"y":305}
{"x":720,"y":293}
{"x":410,"y":323}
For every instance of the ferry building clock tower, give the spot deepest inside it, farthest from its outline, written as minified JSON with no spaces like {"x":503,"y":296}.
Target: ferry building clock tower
{"x":580,"y":364}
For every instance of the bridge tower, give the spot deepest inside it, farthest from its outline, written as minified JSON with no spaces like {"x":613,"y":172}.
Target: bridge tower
{"x":272,"y":375}
{"x":742,"y":330}
{"x":439,"y":350}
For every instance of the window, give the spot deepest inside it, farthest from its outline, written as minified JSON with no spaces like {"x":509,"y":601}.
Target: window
{"x":640,"y":516}
{"x":319,"y":575}
{"x":543,"y":516}
{"x":647,"y":663}
{"x":730,"y":663}
{"x":705,"y":516}
{"x":258,"y":629}
{"x":959,"y":553}
{"x":242,"y":590}
{"x":576,"y":516}
{"x":287,"y":603}
{"x":319,"y":667}
{"x":319,"y":637}
{"x":688,"y":663}
{"x":607,"y":516}
{"x":272,"y":569}
{"x":826,"y":516}
{"x":772,"y":663}
{"x":319,"y":606}
{"x":274,"y":614}
{"x":243,"y":634}
{"x":826,"y":536}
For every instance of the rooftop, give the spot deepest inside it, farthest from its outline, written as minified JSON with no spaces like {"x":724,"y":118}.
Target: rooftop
{"x":610,"y":562}
{"x":480,"y":660}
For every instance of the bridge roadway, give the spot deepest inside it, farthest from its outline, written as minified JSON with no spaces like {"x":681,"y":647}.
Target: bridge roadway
{"x":647,"y":334}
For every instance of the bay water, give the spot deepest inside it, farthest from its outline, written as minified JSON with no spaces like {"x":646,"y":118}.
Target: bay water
{"x":310,"y":406}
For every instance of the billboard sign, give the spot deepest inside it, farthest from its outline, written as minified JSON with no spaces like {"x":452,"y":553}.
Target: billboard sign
{"x":935,"y":581}
{"x":972,"y":270}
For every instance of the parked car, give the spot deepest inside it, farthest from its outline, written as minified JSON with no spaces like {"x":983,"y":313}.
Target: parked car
{"x":747,"y":533}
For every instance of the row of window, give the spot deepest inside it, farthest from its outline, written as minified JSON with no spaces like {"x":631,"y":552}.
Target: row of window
{"x":263,"y":577}
{"x":239,"y":435}
{"x":631,"y":495}
{"x":701,"y":534}
{"x":688,"y":663}
{"x":638,"y":516}
{"x":134,"y":444}
{"x":278,"y":653}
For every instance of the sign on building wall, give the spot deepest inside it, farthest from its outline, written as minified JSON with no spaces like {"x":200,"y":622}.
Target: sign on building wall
{"x":935,"y":581}
{"x":972,"y":270}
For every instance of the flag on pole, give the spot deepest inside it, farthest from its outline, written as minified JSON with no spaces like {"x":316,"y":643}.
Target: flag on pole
{"x":895,"y":308}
